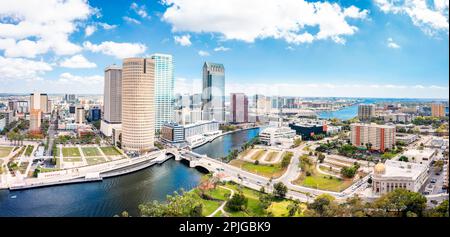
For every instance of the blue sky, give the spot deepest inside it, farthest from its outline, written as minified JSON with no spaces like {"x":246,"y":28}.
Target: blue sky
{"x":357,"y":48}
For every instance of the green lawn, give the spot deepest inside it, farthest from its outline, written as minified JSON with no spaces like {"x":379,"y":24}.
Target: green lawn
{"x":29,"y":150}
{"x":91,"y":151}
{"x":71,"y":152}
{"x":5,"y":150}
{"x":95,"y":160}
{"x":110,"y":151}
{"x":264,"y":170}
{"x":72,"y":159}
{"x":23,"y":167}
{"x":321,"y":181}
{"x":281,"y":208}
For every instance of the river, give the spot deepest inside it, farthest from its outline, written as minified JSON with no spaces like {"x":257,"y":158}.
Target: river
{"x":114,"y":195}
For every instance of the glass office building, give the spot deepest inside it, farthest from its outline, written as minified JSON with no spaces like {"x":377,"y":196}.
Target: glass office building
{"x":164,"y":89}
{"x":213,"y":97}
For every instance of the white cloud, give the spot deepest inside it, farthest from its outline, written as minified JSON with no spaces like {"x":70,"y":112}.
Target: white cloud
{"x":118,"y":50}
{"x":18,"y":69}
{"x":89,"y":30}
{"x":249,"y":20}
{"x":430,"y":16}
{"x":131,"y":20}
{"x":140,"y":10}
{"x":77,"y":61}
{"x":107,"y":26}
{"x":184,"y":40}
{"x":203,"y":53}
{"x":69,"y":79}
{"x":392,"y":44}
{"x":34,"y":27}
{"x":221,"y":48}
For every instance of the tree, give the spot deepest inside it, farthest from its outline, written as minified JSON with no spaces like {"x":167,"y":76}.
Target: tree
{"x":293,"y":208}
{"x":265,"y":200}
{"x":349,"y":172}
{"x":440,"y":210}
{"x":400,"y":202}
{"x":280,"y":190}
{"x":323,"y":206}
{"x":403,"y":158}
{"x":184,"y":205}
{"x":286,"y":159}
{"x":438,"y":165}
{"x":238,"y":202}
{"x":321,"y":157}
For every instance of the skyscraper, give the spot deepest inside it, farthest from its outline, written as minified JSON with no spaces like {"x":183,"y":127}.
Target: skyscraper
{"x":366,"y":112}
{"x":112,"y":100}
{"x":35,"y":121}
{"x":138,"y":104}
{"x":164,"y":87}
{"x":39,"y":101}
{"x":213,"y":97}
{"x":239,"y":108}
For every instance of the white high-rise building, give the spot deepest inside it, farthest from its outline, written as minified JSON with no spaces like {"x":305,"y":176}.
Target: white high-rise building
{"x":213,"y":98}
{"x":164,"y":89}
{"x":138,"y":104}
{"x":112,"y":100}
{"x":373,"y":136}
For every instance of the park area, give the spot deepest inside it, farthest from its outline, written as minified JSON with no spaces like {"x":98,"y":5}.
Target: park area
{"x":111,"y":151}
{"x":70,"y":152}
{"x":91,"y":151}
{"x":5,"y":150}
{"x":95,"y":160}
{"x":273,"y":170}
{"x":312,"y":178}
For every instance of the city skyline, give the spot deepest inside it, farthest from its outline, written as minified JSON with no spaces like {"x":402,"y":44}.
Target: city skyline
{"x":370,"y":49}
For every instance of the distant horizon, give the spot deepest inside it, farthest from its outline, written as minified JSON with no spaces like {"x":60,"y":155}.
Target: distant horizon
{"x":307,"y":97}
{"x":329,"y":48}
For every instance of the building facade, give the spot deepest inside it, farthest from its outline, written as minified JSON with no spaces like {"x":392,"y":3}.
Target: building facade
{"x":138,"y":104}
{"x":172,"y":132}
{"x":79,"y":115}
{"x":397,"y":174}
{"x":366,"y":112}
{"x":276,"y":135}
{"x":437,"y":110}
{"x":39,"y":101}
{"x":373,"y":136}
{"x":112,"y":100}
{"x":35,"y":121}
{"x":112,"y":95}
{"x":164,"y":89}
{"x":213,"y":95}
{"x":239,"y":108}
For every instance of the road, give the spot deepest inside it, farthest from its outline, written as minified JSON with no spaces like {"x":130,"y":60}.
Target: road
{"x":51,"y":134}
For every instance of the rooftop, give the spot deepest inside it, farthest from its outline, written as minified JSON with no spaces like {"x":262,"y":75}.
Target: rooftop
{"x":403,"y":169}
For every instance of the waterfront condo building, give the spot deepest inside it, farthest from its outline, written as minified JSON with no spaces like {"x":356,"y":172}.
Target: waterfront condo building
{"x":213,"y":97}
{"x":112,"y":100}
{"x":437,"y":110}
{"x":239,"y":108}
{"x":138,"y":104}
{"x":373,"y":136}
{"x":164,"y":89}
{"x":366,"y":112}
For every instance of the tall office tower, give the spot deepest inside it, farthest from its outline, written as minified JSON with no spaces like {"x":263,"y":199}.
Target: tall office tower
{"x":213,"y":101}
{"x":138,"y":104}
{"x":164,"y":87}
{"x":79,"y":115}
{"x":373,"y":136}
{"x":196,"y":100}
{"x":112,"y":100}
{"x":239,"y":108}
{"x":437,"y":110}
{"x":39,"y":101}
{"x":69,"y":98}
{"x":35,"y":121}
{"x":366,"y":112}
